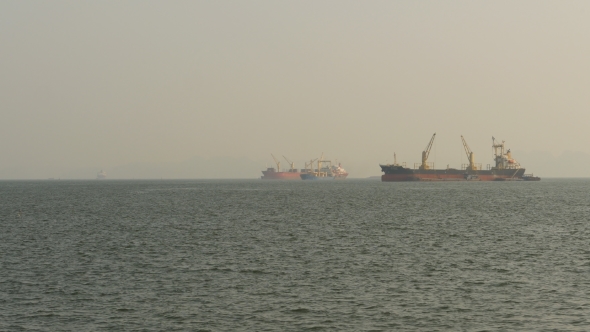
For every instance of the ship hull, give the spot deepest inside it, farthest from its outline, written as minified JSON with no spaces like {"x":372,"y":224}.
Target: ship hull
{"x":280,"y":175}
{"x":307,"y":176}
{"x":398,"y":173}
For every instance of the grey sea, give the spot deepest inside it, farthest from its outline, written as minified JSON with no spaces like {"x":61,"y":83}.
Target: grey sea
{"x":252,"y":255}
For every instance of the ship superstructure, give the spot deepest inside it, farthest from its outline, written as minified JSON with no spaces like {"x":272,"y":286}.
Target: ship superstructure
{"x":505,"y":168}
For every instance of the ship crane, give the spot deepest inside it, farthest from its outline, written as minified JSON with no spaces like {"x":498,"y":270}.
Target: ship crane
{"x":309,"y":166}
{"x":277,"y":161}
{"x":470,"y":156}
{"x":290,"y":163}
{"x":426,"y":152}
{"x":320,"y":161}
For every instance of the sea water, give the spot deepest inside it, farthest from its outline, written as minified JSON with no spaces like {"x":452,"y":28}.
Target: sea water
{"x":252,"y":255}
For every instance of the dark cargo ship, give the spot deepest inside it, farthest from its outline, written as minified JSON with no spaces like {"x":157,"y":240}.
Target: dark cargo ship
{"x":505,"y":169}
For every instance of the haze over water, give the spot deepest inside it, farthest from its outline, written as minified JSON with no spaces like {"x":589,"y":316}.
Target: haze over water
{"x":294,"y":256}
{"x":209,"y":89}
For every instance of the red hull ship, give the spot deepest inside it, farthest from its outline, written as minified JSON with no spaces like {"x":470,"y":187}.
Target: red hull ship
{"x":275,"y":174}
{"x":505,"y":169}
{"x":272,"y":174}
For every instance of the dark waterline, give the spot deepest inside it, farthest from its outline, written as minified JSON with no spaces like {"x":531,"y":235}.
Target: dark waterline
{"x":251,"y":255}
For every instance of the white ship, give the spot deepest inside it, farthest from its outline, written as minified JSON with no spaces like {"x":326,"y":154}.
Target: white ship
{"x":101,"y":175}
{"x":324,"y":171}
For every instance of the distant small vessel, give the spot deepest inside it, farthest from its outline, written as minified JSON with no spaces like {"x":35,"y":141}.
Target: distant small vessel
{"x":530,"y":177}
{"x":101,"y":175}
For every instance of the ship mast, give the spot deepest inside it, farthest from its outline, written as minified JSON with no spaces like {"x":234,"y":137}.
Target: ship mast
{"x":498,"y":158}
{"x":426,"y":152}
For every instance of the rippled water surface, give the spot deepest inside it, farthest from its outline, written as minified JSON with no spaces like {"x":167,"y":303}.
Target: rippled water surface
{"x":236,"y":255}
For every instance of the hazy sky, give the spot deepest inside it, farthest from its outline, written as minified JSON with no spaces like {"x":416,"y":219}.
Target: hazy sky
{"x":99,"y":84}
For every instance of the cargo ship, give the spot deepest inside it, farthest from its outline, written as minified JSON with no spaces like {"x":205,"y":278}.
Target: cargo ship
{"x":275,"y":174}
{"x":324,"y":171}
{"x":505,"y":168}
